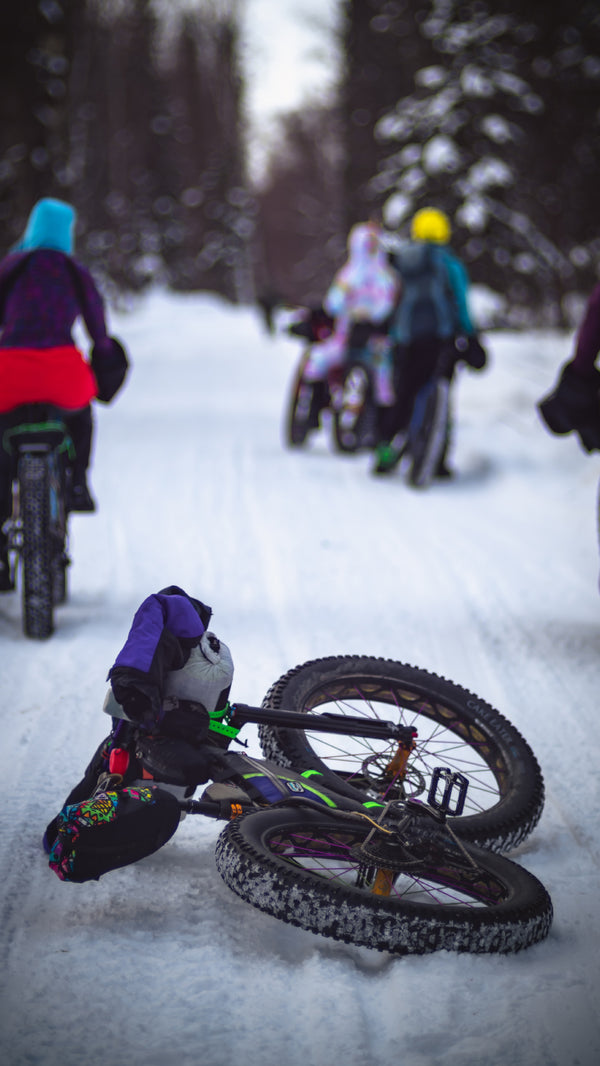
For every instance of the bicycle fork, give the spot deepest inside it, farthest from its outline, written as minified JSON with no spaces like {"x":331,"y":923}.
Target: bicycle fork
{"x":396,"y":768}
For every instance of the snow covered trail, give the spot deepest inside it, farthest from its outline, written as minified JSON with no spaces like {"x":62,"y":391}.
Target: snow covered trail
{"x":490,"y":580}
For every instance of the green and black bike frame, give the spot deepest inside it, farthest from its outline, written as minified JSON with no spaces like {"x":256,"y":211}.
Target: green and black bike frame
{"x":270,"y":783}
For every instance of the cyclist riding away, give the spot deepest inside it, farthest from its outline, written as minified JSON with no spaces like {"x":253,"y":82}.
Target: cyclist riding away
{"x":43,"y":290}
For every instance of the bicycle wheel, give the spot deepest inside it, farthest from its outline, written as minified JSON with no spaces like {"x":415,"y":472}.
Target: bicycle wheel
{"x":58,"y":528}
{"x":456,"y":729}
{"x":303,"y":409}
{"x":427,"y":894}
{"x":427,"y":432}
{"x":354,"y":415}
{"x":37,"y":553}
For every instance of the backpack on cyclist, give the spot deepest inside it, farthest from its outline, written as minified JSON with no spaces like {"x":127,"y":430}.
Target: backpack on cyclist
{"x":427,"y":306}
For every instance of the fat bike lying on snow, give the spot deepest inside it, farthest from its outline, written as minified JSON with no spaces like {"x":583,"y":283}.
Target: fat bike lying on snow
{"x":376,"y":816}
{"x":40,"y":451}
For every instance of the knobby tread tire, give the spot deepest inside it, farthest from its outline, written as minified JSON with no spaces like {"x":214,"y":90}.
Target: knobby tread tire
{"x":36,"y":556}
{"x":270,"y":879}
{"x":426,"y":443}
{"x":361,"y":432}
{"x":298,"y":424}
{"x":414,"y":696}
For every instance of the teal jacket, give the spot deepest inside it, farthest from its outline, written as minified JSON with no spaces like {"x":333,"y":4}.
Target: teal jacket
{"x":434,"y":298}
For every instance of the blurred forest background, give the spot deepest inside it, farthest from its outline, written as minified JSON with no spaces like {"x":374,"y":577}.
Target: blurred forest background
{"x":134,"y":111}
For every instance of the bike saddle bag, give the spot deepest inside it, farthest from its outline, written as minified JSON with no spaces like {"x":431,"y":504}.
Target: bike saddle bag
{"x":172,"y":760}
{"x":112,"y":829}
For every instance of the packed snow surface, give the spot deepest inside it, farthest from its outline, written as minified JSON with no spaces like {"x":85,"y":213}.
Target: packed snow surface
{"x":489,"y":579}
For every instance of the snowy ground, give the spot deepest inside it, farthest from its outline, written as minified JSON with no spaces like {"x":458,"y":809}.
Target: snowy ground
{"x":490,"y":580}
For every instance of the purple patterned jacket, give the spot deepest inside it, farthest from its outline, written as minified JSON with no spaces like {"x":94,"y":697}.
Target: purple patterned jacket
{"x":41,"y":295}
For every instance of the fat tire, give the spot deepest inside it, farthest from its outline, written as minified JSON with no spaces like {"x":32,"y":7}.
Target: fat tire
{"x":37,"y":551}
{"x":503,"y":805}
{"x":428,"y":437}
{"x":59,"y":579}
{"x":58,"y":527}
{"x":301,"y":414}
{"x":354,"y":429}
{"x":256,"y":862}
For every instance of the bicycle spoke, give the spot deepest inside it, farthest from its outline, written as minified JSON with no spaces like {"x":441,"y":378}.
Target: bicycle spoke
{"x":329,"y":858}
{"x":436,"y":745}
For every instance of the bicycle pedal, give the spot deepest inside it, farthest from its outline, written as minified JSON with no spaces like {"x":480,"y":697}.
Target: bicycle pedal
{"x":452,"y":799}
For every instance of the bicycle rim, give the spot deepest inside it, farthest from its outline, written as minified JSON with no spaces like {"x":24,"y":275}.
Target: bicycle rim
{"x":456,"y":730}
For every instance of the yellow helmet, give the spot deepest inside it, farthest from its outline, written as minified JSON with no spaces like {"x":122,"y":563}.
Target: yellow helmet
{"x":429,"y":224}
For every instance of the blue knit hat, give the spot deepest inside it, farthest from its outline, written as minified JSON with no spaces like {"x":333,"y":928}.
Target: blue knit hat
{"x":51,"y":224}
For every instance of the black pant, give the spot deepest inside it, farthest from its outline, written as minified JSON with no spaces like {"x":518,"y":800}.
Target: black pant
{"x":80,"y":426}
{"x":414,"y":365}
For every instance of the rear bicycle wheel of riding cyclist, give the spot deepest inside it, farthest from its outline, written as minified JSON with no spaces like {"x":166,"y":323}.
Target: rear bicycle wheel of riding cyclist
{"x":36,"y":552}
{"x":42,"y":518}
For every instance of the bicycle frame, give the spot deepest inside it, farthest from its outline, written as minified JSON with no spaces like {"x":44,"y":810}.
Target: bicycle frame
{"x":328,"y":722}
{"x":276,"y":784}
{"x":273,"y":784}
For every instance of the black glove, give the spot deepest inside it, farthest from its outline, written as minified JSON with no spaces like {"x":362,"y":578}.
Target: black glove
{"x":472,"y":351}
{"x":322,"y":324}
{"x":301,"y":329}
{"x":574,"y":404}
{"x":185,"y":720}
{"x":137,"y":706}
{"x":110,"y":366}
{"x":449,"y":356}
{"x":315,"y":325}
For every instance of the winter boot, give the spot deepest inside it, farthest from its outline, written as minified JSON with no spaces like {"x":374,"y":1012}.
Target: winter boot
{"x":7,"y":581}
{"x":79,"y":497}
{"x":387,"y":456}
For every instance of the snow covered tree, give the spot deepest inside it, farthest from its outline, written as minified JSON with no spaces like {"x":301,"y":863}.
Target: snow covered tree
{"x":300,"y":228}
{"x":36,"y":48}
{"x":212,"y":212}
{"x":382,"y":49}
{"x":502,"y":131}
{"x":143,"y":136}
{"x":115,"y":149}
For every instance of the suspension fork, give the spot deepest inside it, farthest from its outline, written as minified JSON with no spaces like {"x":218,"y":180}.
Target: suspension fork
{"x":396,"y":768}
{"x":447,"y":794}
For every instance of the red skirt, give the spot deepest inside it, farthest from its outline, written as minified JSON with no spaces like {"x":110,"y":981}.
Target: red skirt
{"x":59,"y":376}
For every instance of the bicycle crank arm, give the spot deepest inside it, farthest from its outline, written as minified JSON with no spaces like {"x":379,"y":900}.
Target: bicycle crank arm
{"x":328,"y":722}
